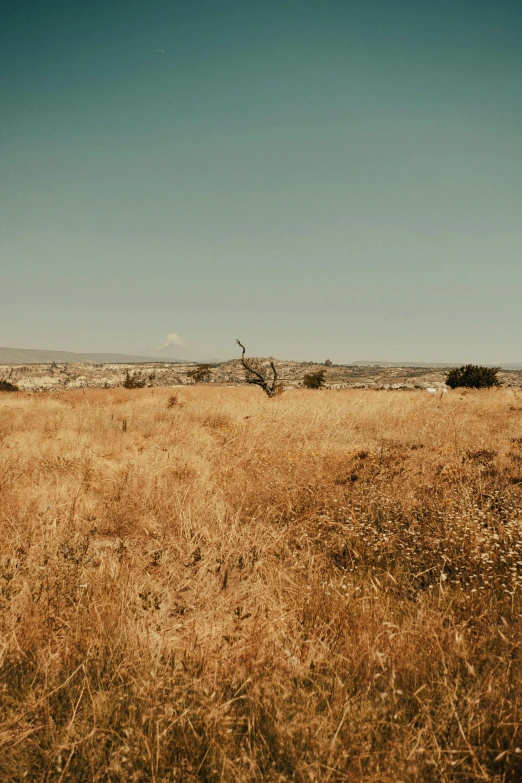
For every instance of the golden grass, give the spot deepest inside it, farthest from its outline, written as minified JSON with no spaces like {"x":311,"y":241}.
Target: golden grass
{"x":210,"y":585}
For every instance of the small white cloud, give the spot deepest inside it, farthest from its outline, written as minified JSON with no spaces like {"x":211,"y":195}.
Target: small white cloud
{"x":161,"y":51}
{"x":173,"y":339}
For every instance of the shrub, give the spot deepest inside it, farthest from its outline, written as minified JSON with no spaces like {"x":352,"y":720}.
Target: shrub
{"x":133,"y":381}
{"x":201,"y":373}
{"x":7,"y":386}
{"x":472,"y":376}
{"x":314,"y":380}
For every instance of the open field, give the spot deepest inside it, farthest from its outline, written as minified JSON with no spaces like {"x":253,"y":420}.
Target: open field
{"x":210,"y":585}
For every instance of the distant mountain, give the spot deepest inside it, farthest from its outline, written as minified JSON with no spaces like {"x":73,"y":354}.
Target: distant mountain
{"x":34,"y":356}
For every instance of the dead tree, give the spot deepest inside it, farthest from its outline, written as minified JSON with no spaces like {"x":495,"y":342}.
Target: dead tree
{"x":256,"y":378}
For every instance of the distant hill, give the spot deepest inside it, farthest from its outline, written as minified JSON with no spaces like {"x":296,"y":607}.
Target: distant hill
{"x":372,"y":363}
{"x":34,"y":356}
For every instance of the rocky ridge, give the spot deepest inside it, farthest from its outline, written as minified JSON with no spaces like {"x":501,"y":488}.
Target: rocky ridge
{"x":59,"y":377}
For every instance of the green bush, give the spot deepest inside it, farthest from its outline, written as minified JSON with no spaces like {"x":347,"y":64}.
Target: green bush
{"x":314,"y":380}
{"x":134,"y":381}
{"x":472,"y":376}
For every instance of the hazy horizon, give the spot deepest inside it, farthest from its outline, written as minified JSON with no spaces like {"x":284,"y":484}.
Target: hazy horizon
{"x":322,"y":180}
{"x":13,"y":356}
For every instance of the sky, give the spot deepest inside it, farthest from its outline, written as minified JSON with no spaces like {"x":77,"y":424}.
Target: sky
{"x":322,"y":179}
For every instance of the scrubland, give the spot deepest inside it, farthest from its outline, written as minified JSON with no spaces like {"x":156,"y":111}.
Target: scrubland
{"x":206,"y":585}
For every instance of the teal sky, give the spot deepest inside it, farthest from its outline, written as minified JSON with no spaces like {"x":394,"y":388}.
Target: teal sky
{"x":328,"y":179}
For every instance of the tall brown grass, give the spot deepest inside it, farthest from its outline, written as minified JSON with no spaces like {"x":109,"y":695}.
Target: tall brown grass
{"x":214,"y":586}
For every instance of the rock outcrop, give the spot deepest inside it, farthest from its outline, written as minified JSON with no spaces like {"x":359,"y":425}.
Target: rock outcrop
{"x":59,"y":377}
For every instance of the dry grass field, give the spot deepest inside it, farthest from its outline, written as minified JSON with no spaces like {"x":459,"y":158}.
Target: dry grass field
{"x":207,"y":585}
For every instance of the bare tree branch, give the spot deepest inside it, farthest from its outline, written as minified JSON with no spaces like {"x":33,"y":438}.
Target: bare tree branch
{"x":260,"y":378}
{"x":257,"y":379}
